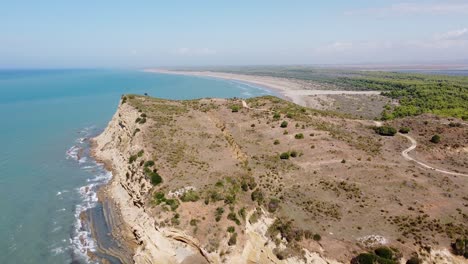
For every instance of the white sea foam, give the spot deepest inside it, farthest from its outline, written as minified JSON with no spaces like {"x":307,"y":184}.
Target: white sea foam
{"x":56,"y":251}
{"x":82,"y":241}
{"x":72,"y":153}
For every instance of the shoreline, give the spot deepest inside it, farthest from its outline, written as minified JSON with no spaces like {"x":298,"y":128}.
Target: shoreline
{"x":289,"y":89}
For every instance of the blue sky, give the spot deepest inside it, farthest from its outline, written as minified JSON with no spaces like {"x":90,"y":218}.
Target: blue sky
{"x":144,"y":33}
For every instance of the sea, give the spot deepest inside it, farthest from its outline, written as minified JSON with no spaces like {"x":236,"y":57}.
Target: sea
{"x":47,"y":178}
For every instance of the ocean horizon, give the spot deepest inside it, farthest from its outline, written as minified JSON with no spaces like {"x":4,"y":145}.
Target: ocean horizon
{"x":47,"y":178}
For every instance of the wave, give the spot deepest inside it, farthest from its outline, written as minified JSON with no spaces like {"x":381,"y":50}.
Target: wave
{"x":81,"y":240}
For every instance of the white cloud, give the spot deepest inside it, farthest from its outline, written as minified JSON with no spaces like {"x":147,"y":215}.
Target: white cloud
{"x":453,"y":35}
{"x":451,"y":45}
{"x":414,"y":8}
{"x":195,"y":52}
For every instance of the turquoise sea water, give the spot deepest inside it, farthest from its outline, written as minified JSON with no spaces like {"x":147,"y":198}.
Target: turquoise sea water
{"x":46,"y":117}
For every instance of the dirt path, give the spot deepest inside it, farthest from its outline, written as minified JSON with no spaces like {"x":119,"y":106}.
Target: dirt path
{"x":414,"y":143}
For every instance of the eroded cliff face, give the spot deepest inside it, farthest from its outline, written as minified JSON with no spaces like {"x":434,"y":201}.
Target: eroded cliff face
{"x":152,"y":244}
{"x":128,"y":189}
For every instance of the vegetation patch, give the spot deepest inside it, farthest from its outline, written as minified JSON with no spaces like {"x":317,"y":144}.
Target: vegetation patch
{"x":385,"y":130}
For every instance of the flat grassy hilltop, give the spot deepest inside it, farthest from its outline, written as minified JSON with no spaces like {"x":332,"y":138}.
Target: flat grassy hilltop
{"x":330,"y":184}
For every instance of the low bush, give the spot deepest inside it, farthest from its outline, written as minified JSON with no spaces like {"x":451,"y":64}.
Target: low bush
{"x":273,"y":205}
{"x":385,"y":131}
{"x":276,"y":116}
{"x":257,"y":196}
{"x":233,"y":217}
{"x":284,"y":155}
{"x":293,"y":153}
{"x":231,"y":229}
{"x":284,"y":124}
{"x":132,"y":159}
{"x":149,"y":163}
{"x":384,"y":252}
{"x":155,"y":178}
{"x":460,"y":247}
{"x":219,"y":213}
{"x":413,"y":260}
{"x":435,"y":139}
{"x":299,"y":136}
{"x":276,"y":142}
{"x":173,"y":204}
{"x":404,"y":130}
{"x":317,"y":237}
{"x":233,"y":239}
{"x":242,"y":213}
{"x":190,"y":196}
{"x":140,"y":153}
{"x":235,"y":108}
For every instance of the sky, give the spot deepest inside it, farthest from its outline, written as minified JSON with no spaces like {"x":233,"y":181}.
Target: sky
{"x":152,"y":33}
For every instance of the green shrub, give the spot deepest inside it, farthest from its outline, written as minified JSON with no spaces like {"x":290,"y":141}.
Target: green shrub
{"x":189,"y":196}
{"x":194,"y":222}
{"x":155,"y":178}
{"x":257,"y":195}
{"x":159,"y":198}
{"x":242,"y":213}
{"x":173,"y":204}
{"x":317,"y":237}
{"x":284,"y":124}
{"x":233,"y":239}
{"x":218,"y":213}
{"x":293,"y":154}
{"x":413,"y":260}
{"x":276,"y":142}
{"x":284,"y":155}
{"x":364,"y":258}
{"x":149,"y":163}
{"x":299,"y":136}
{"x":230,"y":199}
{"x":136,"y":131}
{"x":404,"y":130}
{"x":142,"y":121}
{"x":460,"y":247}
{"x":235,"y":108}
{"x":231,"y":229}
{"x":435,"y":139}
{"x":143,"y":115}
{"x":138,"y":120}
{"x":385,"y":131}
{"x":233,"y":217}
{"x":140,"y":153}
{"x":273,"y":205}
{"x":384,"y":252}
{"x":132,"y":159}
{"x":276,"y":116}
